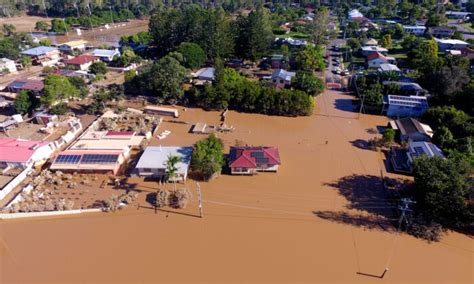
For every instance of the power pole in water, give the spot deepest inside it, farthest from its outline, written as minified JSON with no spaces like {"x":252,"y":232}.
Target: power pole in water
{"x":199,"y":199}
{"x":404,"y":208}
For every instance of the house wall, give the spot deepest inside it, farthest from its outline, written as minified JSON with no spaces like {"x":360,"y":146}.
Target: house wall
{"x":375,"y":63}
{"x":415,"y":137}
{"x":402,"y":111}
{"x":10,"y":65}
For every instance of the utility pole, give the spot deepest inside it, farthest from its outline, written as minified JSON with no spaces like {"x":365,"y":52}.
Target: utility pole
{"x":45,"y":11}
{"x":65,"y":27}
{"x":77,"y":9}
{"x":90,"y":15}
{"x":111,"y":15}
{"x":404,"y":209}
{"x":199,"y":199}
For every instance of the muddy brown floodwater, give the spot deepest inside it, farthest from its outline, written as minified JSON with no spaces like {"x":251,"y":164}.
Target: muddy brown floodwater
{"x":270,"y":228}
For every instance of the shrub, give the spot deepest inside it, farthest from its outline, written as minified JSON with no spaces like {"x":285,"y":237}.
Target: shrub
{"x":178,"y":198}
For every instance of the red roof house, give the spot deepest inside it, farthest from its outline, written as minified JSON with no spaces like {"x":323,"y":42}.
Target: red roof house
{"x":23,"y":153}
{"x":81,"y":62}
{"x":35,"y":86}
{"x":375,"y":59}
{"x":249,"y":160}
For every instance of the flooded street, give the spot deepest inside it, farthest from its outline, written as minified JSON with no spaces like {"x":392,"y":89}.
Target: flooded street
{"x":265,"y":228}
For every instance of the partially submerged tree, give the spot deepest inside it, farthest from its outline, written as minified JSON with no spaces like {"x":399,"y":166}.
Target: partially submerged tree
{"x":208,"y":157}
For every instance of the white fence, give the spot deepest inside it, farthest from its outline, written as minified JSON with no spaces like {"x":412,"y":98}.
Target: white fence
{"x":47,"y":213}
{"x":14,"y":183}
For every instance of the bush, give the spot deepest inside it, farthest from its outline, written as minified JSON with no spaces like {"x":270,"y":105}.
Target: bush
{"x":424,"y":229}
{"x":179,"y":198}
{"x":59,"y":109}
{"x":161,"y":198}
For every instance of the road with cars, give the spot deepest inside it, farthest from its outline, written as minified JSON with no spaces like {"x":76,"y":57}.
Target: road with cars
{"x":333,"y":62}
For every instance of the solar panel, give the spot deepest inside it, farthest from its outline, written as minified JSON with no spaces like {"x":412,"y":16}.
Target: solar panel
{"x":68,"y":159}
{"x":419,"y":151}
{"x":261,"y":160}
{"x":257,"y":154}
{"x":99,"y":159}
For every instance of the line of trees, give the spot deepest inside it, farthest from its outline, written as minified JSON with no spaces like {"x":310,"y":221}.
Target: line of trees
{"x":214,"y":30}
{"x":231,"y":90}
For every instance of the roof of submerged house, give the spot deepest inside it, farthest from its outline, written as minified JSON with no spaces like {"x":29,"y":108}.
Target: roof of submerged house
{"x":250,"y":157}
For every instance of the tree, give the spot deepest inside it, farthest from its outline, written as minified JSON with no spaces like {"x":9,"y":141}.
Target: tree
{"x":255,"y":34}
{"x":354,"y":43}
{"x":42,"y":26}
{"x":8,"y":29}
{"x":442,"y":188}
{"x":389,"y":136}
{"x":171,"y":167}
{"x":317,"y":29}
{"x":128,"y":57}
{"x":310,"y":58}
{"x":98,"y":67}
{"x":309,"y":83}
{"x":25,"y":61}
{"x":443,"y":137}
{"x":80,"y":84}
{"x":57,"y":88}
{"x":164,"y":80}
{"x":22,"y":102}
{"x":59,"y":109}
{"x":193,"y":55}
{"x":60,"y":26}
{"x":387,"y":41}
{"x":372,"y":95}
{"x":208,"y":157}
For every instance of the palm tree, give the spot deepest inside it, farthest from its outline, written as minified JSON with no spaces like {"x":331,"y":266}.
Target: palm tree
{"x":171,"y":167}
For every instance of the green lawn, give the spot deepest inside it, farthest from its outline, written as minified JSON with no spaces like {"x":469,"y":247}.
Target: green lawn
{"x":294,"y":35}
{"x":468,"y":26}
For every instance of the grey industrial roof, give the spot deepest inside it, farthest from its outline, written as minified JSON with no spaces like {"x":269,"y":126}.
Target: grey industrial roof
{"x":155,"y":157}
{"x":40,"y":50}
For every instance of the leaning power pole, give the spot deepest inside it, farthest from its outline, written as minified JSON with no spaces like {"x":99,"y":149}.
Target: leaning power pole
{"x":404,"y":209}
{"x":198,"y":188}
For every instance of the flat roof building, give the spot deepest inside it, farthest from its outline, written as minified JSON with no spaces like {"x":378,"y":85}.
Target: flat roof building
{"x":405,"y":106}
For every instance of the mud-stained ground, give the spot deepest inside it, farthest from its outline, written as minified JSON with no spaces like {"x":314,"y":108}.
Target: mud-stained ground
{"x":322,"y":218}
{"x":96,"y":36}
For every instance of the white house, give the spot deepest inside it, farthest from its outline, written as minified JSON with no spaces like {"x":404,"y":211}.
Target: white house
{"x":71,"y":46}
{"x":416,"y":30}
{"x":106,"y":55}
{"x":152,"y":163}
{"x":7,"y":64}
{"x":447,"y":44}
{"x":376,"y":59}
{"x":282,"y":78}
{"x":81,"y":62}
{"x":366,"y":50}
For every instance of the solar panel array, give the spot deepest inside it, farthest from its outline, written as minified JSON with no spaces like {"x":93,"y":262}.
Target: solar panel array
{"x":99,"y":159}
{"x":68,"y":159}
{"x":261,"y":160}
{"x":407,"y":101}
{"x":257,"y":154}
{"x":87,"y":159}
{"x":419,"y":151}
